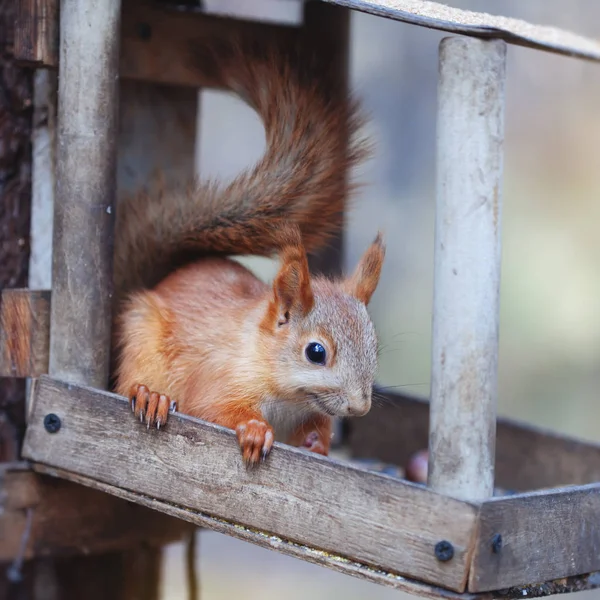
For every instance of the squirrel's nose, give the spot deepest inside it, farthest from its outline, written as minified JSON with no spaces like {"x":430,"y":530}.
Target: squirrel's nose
{"x":360,"y":405}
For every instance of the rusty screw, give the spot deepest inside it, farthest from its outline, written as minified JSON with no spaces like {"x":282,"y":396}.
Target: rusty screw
{"x":497,"y":543}
{"x":52,"y":423}
{"x":444,"y":551}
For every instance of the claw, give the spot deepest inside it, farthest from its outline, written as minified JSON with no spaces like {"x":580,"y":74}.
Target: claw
{"x":152,"y":407}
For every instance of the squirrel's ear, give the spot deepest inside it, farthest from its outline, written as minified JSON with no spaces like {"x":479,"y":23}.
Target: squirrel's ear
{"x":365,"y":278}
{"x":292,"y":293}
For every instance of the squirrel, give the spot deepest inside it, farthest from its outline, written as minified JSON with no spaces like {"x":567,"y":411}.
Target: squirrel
{"x":198,"y":331}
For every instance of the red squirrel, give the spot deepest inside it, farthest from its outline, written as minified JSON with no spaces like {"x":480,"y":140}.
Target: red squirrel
{"x":268,"y":361}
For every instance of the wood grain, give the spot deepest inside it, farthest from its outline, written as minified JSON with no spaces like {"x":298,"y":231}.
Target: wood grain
{"x":545,"y":536}
{"x":466,"y":284}
{"x":527,"y":457}
{"x":307,"y":499}
{"x":156,"y":42}
{"x":36,"y":32}
{"x":84,"y":203}
{"x":259,"y":538}
{"x":24,"y":333}
{"x":69,"y":519}
{"x":435,"y":15}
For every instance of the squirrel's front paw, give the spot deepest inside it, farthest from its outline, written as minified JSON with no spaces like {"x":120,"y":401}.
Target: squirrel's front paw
{"x":151,"y":407}
{"x":314,"y":443}
{"x":256,"y":440}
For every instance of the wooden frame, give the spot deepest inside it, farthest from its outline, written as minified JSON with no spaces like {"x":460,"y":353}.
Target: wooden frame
{"x":384,"y":529}
{"x":196,"y":467}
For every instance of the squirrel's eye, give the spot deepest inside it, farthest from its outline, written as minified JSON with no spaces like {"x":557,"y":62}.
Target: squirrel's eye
{"x":316,"y":353}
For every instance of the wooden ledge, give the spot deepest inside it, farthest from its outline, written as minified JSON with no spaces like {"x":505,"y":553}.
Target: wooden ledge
{"x":315,"y":508}
{"x":307,"y":499}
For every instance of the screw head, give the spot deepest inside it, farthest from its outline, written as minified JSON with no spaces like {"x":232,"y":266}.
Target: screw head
{"x":444,"y":551}
{"x":52,"y":423}
{"x":496,"y":543}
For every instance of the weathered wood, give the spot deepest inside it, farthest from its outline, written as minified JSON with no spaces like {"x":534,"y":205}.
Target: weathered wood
{"x":423,"y":13}
{"x":24,"y":333}
{"x":466,"y":288}
{"x":544,"y":535}
{"x":307,"y":499}
{"x":156,"y":42}
{"x":69,"y":519}
{"x":527,"y":458}
{"x":330,"y":560}
{"x":85,"y":191}
{"x":434,"y":15}
{"x":326,"y":32}
{"x":36,"y":32}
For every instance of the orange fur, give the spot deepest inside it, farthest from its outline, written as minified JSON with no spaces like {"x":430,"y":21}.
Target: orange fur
{"x":198,"y":328}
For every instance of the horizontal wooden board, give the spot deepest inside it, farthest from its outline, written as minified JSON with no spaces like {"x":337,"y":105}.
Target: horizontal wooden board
{"x":24,"y":332}
{"x":527,"y":458}
{"x":545,"y":536}
{"x":435,"y":15}
{"x":156,"y":42}
{"x":259,"y":538}
{"x":307,"y":499}
{"x":67,"y":519}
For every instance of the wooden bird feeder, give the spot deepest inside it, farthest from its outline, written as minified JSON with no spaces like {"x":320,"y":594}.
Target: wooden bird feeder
{"x":449,"y":539}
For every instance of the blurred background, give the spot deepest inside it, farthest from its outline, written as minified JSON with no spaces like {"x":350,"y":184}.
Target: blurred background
{"x":549,"y":372}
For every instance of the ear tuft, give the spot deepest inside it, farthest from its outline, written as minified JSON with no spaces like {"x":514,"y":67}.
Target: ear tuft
{"x":364,"y":280}
{"x":292,"y":292}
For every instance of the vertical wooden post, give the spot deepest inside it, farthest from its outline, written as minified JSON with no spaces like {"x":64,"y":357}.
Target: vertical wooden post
{"x":326,"y":32}
{"x":85,"y":191}
{"x":467,"y":267}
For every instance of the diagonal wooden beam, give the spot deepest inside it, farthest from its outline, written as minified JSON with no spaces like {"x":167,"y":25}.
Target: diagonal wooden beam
{"x":307,"y":499}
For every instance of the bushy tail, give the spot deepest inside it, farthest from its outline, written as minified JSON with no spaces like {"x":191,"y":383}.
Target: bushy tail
{"x":302,"y":178}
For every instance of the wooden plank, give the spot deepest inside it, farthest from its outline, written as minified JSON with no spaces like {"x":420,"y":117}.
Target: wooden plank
{"x":308,"y":499}
{"x":82,"y":277}
{"x":435,"y":15}
{"x":466,"y":287}
{"x":36,"y":32}
{"x":527,"y":457}
{"x":156,"y":42}
{"x":544,"y":536}
{"x":69,"y":519}
{"x":24,"y":333}
{"x":265,"y":540}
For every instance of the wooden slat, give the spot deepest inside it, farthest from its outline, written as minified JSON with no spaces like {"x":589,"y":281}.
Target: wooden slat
{"x":545,"y":535}
{"x":259,"y":538}
{"x":68,"y":519}
{"x":24,"y":333}
{"x":156,"y":42}
{"x":477,"y":24}
{"x":527,"y":457}
{"x":36,"y":32}
{"x":307,"y":499}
